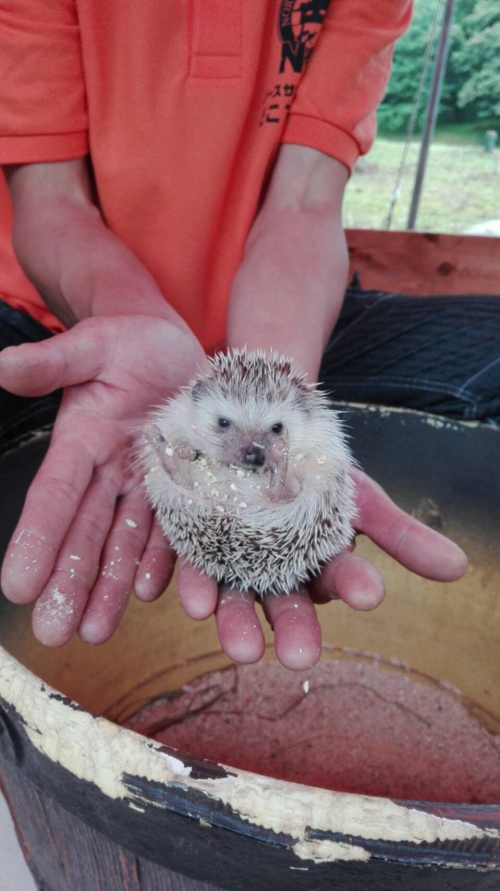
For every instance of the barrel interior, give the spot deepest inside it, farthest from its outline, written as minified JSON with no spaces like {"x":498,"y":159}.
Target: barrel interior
{"x":444,"y":473}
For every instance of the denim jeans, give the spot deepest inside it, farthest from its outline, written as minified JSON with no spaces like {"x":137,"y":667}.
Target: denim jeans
{"x":433,"y":354}
{"x":20,"y":417}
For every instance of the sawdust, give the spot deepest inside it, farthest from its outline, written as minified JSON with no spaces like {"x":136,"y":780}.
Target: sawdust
{"x":347,"y":725}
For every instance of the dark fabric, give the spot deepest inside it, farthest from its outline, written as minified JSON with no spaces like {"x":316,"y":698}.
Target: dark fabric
{"x":434,"y":354}
{"x":19,"y":417}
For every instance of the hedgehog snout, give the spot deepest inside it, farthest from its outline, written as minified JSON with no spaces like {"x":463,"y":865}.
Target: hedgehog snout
{"x":254,"y":456}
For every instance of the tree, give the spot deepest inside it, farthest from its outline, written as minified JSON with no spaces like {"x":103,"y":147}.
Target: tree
{"x":471,"y":88}
{"x":478,"y":57}
{"x":395,"y":111}
{"x":455,"y":76}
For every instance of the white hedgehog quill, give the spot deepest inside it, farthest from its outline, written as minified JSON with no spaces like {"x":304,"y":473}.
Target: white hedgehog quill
{"x":248,"y":472}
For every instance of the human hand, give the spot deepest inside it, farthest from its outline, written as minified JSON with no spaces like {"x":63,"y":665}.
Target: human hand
{"x":349,"y":577}
{"x":86,"y":534}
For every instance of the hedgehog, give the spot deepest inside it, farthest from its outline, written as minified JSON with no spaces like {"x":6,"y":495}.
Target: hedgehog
{"x":248,"y":471}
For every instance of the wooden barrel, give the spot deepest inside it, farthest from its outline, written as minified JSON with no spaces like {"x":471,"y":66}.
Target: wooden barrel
{"x":98,"y":807}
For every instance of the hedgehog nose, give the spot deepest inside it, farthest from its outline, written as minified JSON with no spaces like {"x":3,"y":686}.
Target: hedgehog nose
{"x":254,"y":457}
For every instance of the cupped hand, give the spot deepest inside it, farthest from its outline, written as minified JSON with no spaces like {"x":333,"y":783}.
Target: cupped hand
{"x":86,"y":535}
{"x":349,"y":577}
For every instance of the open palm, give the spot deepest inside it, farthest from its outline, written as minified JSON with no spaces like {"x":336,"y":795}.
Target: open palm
{"x":86,"y":534}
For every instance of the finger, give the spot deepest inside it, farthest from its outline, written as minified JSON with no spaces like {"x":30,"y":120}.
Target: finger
{"x":34,"y":369}
{"x":352,"y":579}
{"x":197,"y":592}
{"x":239,"y":629}
{"x":420,"y":549}
{"x":121,"y":554}
{"x":51,"y":504}
{"x":321,"y":594}
{"x":297,"y":633}
{"x":59,"y":608}
{"x":156,"y":567}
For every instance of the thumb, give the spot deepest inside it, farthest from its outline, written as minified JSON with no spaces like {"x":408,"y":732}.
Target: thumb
{"x":35,"y":369}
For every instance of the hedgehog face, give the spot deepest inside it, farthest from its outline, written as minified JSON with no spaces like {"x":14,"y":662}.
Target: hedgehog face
{"x":228,"y":432}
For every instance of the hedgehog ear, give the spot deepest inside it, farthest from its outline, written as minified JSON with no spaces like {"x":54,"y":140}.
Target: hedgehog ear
{"x":199,"y":390}
{"x":301,"y":402}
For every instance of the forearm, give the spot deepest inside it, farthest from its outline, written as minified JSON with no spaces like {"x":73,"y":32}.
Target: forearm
{"x":289,"y":289}
{"x":79,"y":266}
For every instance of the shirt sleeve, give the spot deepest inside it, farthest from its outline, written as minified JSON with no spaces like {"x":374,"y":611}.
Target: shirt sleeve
{"x":346,"y":77}
{"x":43,"y":115}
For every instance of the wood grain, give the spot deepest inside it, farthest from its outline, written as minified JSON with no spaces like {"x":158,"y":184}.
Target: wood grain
{"x":425,"y":264}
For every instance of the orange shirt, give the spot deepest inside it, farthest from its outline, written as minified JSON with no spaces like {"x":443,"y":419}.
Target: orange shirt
{"x":183,"y":105}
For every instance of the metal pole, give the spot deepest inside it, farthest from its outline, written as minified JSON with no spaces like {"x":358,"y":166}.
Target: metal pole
{"x":432,"y":110}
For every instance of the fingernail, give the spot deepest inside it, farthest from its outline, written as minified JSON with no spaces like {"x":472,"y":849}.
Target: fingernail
{"x":23,"y":565}
{"x":55,"y":616}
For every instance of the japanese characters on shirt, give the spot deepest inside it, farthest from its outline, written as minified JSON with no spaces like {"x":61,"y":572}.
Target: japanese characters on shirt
{"x":299,"y":25}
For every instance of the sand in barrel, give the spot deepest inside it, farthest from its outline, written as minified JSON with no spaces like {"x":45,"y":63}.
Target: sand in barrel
{"x":351,"y":724}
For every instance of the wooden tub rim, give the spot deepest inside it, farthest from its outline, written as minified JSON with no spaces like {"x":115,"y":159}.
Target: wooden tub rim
{"x":317,"y":824}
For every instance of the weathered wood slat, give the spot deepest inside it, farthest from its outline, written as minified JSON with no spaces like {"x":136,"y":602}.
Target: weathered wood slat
{"x":66,"y":854}
{"x":421,"y":263}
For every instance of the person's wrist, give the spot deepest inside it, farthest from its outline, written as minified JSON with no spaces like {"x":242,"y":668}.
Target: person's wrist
{"x":115,"y":300}
{"x":289,"y":288}
{"x":80,"y":267}
{"x":102,"y":277}
{"x":306,"y":178}
{"x":303,"y":208}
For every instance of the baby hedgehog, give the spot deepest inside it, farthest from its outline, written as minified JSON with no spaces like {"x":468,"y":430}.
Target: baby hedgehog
{"x":248,"y":472}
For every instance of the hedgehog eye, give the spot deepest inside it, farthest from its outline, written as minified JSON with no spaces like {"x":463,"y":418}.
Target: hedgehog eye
{"x":277,"y":428}
{"x":223,"y":422}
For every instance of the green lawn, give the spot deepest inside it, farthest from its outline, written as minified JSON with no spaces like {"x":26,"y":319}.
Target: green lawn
{"x":470,"y":133}
{"x":461,"y":188}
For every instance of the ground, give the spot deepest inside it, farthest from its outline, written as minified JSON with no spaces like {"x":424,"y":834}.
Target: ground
{"x":461,"y":187}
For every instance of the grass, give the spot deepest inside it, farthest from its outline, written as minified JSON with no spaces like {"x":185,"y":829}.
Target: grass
{"x":469,"y":133}
{"x":461,"y":187}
